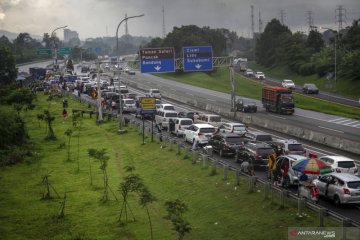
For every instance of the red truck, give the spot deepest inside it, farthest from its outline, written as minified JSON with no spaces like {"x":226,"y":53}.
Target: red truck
{"x":278,"y":99}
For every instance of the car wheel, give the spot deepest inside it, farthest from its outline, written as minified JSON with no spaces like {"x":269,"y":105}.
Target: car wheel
{"x":286,"y":183}
{"x":221,"y":153}
{"x":337,"y":201}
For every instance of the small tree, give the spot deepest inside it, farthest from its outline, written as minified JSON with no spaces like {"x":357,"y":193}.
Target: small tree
{"x":147,"y":198}
{"x":40,"y":117}
{"x":68,"y":133}
{"x":175,"y":210}
{"x":48,"y":186}
{"x":49,"y":119}
{"x":77,"y":124}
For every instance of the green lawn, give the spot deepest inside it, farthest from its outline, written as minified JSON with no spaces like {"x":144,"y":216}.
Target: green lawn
{"x":219,"y":81}
{"x":217,"y":209}
{"x":344,"y":87}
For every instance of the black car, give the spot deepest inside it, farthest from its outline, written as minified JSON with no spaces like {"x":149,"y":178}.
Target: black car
{"x":257,"y":153}
{"x":226,"y":143}
{"x":310,"y":88}
{"x":245,"y":105}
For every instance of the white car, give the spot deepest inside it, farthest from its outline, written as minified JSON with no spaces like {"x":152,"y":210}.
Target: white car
{"x":180,"y":125}
{"x":259,"y":75}
{"x":128,"y":105}
{"x":341,"y":164}
{"x":249,"y":72}
{"x":287,"y":83}
{"x":166,"y":106}
{"x":237,"y":128}
{"x":199,"y":133}
{"x":154,"y":93}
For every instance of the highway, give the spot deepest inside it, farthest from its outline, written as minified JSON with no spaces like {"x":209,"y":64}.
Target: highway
{"x":306,"y":119}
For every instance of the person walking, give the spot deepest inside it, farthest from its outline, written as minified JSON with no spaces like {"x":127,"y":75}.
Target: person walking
{"x":244,"y":167}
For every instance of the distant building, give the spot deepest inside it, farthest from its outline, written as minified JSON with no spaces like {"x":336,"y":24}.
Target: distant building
{"x":68,"y":35}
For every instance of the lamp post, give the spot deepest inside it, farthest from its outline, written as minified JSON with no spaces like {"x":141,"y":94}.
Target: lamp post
{"x":335,"y":53}
{"x":121,"y":130}
{"x":55,"y":47}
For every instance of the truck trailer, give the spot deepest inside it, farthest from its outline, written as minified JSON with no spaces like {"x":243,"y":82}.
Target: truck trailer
{"x":278,"y":99}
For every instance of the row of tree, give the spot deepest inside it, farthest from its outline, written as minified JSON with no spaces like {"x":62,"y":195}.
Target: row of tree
{"x":277,"y":46}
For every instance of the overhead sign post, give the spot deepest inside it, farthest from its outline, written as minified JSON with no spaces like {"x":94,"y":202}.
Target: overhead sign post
{"x":64,"y":51}
{"x":197,"y":58}
{"x":156,"y":60}
{"x":44,"y":51}
{"x":148,"y":105}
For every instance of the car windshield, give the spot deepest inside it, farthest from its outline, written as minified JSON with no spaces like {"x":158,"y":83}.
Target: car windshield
{"x":170,"y":114}
{"x":214,"y":119}
{"x":169,"y":108}
{"x":288,"y":81}
{"x":264,"y":138}
{"x":234,"y":140}
{"x":129,"y":102}
{"x":155,"y":91}
{"x":239,"y":128}
{"x":158,"y":101}
{"x":346,"y":164}
{"x":207,"y":130}
{"x":295,"y":147}
{"x":186,"y":122}
{"x":286,"y":98}
{"x":354,"y":185}
{"x":264,"y":151}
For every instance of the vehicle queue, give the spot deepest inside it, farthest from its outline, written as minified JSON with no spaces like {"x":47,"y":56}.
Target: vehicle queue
{"x":208,"y":131}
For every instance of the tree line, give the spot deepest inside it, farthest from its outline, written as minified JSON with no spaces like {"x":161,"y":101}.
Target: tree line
{"x":305,"y":55}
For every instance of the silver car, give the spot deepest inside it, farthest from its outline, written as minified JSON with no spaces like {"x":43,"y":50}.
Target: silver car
{"x":342,"y":188}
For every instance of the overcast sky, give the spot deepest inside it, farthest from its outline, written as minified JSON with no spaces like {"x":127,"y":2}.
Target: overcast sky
{"x":98,"y":18}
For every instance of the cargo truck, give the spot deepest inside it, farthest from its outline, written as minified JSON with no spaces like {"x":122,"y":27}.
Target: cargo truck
{"x":278,"y":99}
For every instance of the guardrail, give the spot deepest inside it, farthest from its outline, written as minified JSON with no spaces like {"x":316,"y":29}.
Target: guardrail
{"x":167,"y":141}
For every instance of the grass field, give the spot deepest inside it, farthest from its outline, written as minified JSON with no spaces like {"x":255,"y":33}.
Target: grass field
{"x":219,"y":81}
{"x":217,"y":209}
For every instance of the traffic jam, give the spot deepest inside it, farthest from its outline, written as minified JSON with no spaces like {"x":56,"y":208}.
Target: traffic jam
{"x":285,"y":162}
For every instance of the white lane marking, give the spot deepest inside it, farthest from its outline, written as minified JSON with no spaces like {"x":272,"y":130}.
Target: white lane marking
{"x":342,"y":121}
{"x":331,"y":129}
{"x":211,"y":100}
{"x":189,"y":94}
{"x":336,"y":119}
{"x":351,"y":123}
{"x":278,"y":117}
{"x":357,"y":125}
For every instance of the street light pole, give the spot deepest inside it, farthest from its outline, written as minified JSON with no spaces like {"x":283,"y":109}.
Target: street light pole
{"x":121,"y":130}
{"x":55,"y":47}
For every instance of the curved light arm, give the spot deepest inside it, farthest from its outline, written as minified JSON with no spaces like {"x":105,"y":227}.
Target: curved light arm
{"x":56,"y":29}
{"x":117,"y":30}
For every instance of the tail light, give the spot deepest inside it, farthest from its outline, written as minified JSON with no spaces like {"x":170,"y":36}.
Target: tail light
{"x":347,"y":191}
{"x":179,"y":126}
{"x":338,"y":170}
{"x":226,"y":146}
{"x":200,"y":134}
{"x":258,"y":155}
{"x":356,"y":170}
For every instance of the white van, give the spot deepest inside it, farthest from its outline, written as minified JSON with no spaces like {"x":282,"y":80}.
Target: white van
{"x":180,"y":125}
{"x":162,"y":117}
{"x":128,"y":105}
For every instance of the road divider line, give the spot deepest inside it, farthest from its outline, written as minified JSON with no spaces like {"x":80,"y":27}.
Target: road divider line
{"x":331,"y":129}
{"x":351,"y":123}
{"x":279,"y":117}
{"x":336,"y":119}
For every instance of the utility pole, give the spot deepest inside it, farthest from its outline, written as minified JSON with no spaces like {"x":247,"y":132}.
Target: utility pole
{"x":310,"y":20}
{"x":260,"y":23}
{"x":252,"y":21}
{"x":163,"y":26}
{"x":233,"y":85}
{"x":100,"y":117}
{"x":340,"y":16}
{"x":282,"y":16}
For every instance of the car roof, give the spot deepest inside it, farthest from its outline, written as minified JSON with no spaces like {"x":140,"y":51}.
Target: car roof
{"x":347,"y":177}
{"x":235,"y":124}
{"x":203,"y":125}
{"x":258,"y":133}
{"x":338,"y":158}
{"x":296,"y":157}
{"x":225,"y":134}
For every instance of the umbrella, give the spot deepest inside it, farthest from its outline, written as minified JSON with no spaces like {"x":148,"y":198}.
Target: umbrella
{"x":311,"y":166}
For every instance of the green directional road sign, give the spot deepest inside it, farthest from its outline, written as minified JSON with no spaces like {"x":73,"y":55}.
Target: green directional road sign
{"x":44,"y":51}
{"x":64,"y":51}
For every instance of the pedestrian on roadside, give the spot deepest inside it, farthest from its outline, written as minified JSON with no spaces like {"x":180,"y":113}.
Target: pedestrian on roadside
{"x":244,"y":167}
{"x":65,"y":114}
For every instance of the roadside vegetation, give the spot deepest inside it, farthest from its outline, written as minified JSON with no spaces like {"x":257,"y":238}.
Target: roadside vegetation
{"x":49,"y":197}
{"x":219,"y":81}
